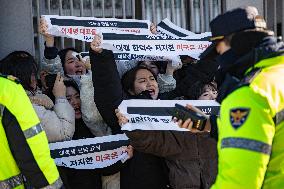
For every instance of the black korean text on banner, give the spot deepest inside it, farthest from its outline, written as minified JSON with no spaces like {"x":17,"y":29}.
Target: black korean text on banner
{"x":127,"y":57}
{"x":154,"y":114}
{"x":124,"y":41}
{"x":155,"y":44}
{"x":90,"y":153}
{"x":146,"y":46}
{"x":83,"y":28}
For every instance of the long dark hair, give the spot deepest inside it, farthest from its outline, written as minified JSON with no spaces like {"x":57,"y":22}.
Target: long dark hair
{"x":161,"y":65}
{"x":81,"y":130}
{"x":50,"y":84}
{"x":71,"y":83}
{"x":129,"y":77}
{"x":197,"y":89}
{"x":22,"y":65}
{"x":62,"y":55}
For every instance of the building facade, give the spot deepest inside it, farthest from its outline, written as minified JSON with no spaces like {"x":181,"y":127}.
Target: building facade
{"x":19,"y":19}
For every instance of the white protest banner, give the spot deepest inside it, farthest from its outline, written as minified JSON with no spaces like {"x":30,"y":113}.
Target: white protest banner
{"x":155,"y":44}
{"x":170,"y":29}
{"x":131,"y":60}
{"x":154,"y":114}
{"x":118,"y":38}
{"x":82,"y":28}
{"x":90,"y":153}
{"x":127,"y":57}
{"x":146,"y":46}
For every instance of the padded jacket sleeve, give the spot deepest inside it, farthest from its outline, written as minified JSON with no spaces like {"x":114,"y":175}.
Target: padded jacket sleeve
{"x":108,"y":93}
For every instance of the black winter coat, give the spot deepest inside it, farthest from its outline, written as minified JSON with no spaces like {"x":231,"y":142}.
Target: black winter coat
{"x":143,"y":170}
{"x":80,"y":178}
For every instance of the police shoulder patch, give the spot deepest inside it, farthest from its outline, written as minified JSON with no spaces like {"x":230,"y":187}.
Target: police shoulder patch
{"x":10,"y":77}
{"x":238,"y":116}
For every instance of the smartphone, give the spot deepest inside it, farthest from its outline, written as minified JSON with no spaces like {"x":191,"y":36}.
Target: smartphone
{"x":181,"y":112}
{"x":50,"y":80}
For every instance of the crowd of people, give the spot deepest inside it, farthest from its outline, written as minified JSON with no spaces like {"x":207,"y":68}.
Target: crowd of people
{"x":77,"y":99}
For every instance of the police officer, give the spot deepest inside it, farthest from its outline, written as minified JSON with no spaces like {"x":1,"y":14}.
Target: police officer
{"x":24,"y":151}
{"x":251,"y":122}
{"x":224,"y":55}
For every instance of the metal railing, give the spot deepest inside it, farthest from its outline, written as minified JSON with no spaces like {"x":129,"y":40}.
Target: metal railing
{"x":274,"y":15}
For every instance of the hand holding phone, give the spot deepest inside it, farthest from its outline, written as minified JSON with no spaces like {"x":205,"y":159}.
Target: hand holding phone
{"x":183,"y":113}
{"x":54,"y":82}
{"x":59,"y":89}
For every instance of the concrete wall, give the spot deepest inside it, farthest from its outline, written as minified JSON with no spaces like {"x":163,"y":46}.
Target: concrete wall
{"x":16,"y":27}
{"x":231,"y":4}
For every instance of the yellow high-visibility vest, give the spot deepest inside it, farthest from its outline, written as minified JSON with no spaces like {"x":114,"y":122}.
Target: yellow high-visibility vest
{"x":251,"y":132}
{"x":23,"y":144}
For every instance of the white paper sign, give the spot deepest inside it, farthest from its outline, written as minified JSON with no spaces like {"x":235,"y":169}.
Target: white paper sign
{"x":154,"y":114}
{"x":90,"y":153}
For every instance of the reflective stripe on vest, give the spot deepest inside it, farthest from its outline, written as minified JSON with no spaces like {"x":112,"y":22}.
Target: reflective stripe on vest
{"x":279,"y":117}
{"x":248,"y":144}
{"x":12,"y":182}
{"x":30,"y":132}
{"x":1,"y":110}
{"x":56,"y":185}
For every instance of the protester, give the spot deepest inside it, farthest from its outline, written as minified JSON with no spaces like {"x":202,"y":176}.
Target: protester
{"x":249,"y":126}
{"x":143,"y":170}
{"x":163,"y":70}
{"x":192,"y":74}
{"x":188,"y":155}
{"x":202,"y":91}
{"x":164,"y":76}
{"x":57,"y":119}
{"x":73,"y":97}
{"x":76,"y":178}
{"x":68,"y":61}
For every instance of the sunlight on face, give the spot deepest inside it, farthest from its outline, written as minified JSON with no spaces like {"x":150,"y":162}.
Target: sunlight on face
{"x":73,"y":98}
{"x":72,"y":65}
{"x":33,"y":82}
{"x":209,"y":93}
{"x":145,"y":80}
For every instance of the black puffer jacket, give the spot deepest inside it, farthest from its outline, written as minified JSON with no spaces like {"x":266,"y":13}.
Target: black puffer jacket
{"x":143,"y":171}
{"x":80,"y":178}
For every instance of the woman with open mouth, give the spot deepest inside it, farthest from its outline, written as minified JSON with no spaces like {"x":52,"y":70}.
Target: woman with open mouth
{"x":68,"y":62}
{"x":76,"y":178}
{"x":152,"y":149}
{"x":143,"y":170}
